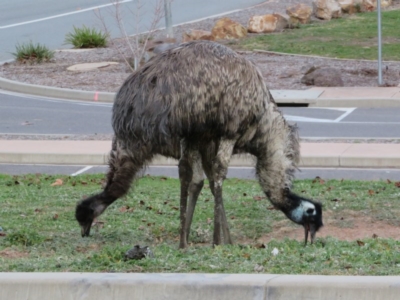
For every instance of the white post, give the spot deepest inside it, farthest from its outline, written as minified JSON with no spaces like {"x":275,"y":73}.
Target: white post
{"x":379,"y":44}
{"x":168,"y":18}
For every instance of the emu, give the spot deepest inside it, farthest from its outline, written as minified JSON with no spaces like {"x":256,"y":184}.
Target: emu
{"x":201,"y":102}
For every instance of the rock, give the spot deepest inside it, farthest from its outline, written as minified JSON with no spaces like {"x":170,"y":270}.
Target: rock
{"x":386,"y":3}
{"x":226,"y":29}
{"x":322,"y":77}
{"x":267,"y":23}
{"x":138,"y":252}
{"x":327,"y":9}
{"x":196,"y":34}
{"x":350,"y":6}
{"x":299,"y":14}
{"x":370,"y":5}
{"x":91,"y":66}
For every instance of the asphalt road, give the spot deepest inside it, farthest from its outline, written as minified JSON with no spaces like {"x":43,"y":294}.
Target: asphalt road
{"x":21,"y":114}
{"x":47,"y":22}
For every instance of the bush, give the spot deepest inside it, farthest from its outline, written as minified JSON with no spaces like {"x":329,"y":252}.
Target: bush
{"x":86,"y":38}
{"x":32,"y":53}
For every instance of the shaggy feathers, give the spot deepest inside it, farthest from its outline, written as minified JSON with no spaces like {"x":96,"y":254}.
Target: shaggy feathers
{"x":201,"y":99}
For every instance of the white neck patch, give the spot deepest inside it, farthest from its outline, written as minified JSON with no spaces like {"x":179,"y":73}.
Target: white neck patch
{"x":305,"y":208}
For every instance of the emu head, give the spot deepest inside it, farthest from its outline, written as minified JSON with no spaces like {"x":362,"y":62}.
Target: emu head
{"x":86,"y":211}
{"x":305,"y":212}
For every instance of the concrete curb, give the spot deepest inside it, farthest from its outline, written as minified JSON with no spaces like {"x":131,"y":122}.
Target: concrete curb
{"x":334,"y":155}
{"x":287,"y":97}
{"x":355,"y":102}
{"x":52,"y":92}
{"x":92,"y":286}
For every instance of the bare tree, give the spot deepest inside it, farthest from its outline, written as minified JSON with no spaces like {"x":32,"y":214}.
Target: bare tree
{"x":128,"y":19}
{"x":206,"y":102}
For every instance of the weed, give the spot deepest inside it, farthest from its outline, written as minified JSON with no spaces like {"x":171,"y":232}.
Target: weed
{"x":32,"y":53}
{"x":86,"y":38}
{"x":25,"y":237}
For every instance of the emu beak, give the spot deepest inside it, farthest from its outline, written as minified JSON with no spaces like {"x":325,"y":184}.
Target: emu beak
{"x":309,"y":228}
{"x":85,"y":229}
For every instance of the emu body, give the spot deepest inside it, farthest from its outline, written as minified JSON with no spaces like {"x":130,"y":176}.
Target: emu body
{"x":202,"y":102}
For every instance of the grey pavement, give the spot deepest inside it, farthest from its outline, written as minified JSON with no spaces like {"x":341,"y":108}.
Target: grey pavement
{"x":335,"y":155}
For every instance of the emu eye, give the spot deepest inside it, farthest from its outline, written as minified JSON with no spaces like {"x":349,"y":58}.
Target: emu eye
{"x":310,"y":211}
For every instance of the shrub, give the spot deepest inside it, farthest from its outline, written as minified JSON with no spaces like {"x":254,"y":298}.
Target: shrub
{"x":32,"y":53}
{"x":86,"y":38}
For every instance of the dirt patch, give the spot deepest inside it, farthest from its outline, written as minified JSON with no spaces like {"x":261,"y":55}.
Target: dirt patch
{"x":343,"y":225}
{"x":13,"y":254}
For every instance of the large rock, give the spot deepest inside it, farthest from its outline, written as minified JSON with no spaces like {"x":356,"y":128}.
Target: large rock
{"x":351,"y":6}
{"x":370,"y":5}
{"x":322,"y":77}
{"x":267,"y":23}
{"x":226,"y":29}
{"x":299,"y":14}
{"x":195,"y":34}
{"x":327,"y":9}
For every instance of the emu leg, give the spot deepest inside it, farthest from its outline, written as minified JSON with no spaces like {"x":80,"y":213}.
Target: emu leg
{"x":219,"y":169}
{"x":185,"y":177}
{"x":195,"y":187}
{"x":207,"y":167}
{"x":224,"y":223}
{"x":122,"y":170}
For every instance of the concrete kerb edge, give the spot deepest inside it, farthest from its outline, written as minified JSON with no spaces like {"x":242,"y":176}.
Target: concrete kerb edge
{"x":69,"y":94}
{"x":53,"y":92}
{"x":356,"y":102}
{"x":187,"y":286}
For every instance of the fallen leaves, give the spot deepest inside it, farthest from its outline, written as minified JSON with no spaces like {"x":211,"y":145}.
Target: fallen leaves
{"x":360,"y":243}
{"x":58,"y":182}
{"x":318,"y":180}
{"x":126,"y":208}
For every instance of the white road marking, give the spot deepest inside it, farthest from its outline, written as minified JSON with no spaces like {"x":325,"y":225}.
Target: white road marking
{"x":347,"y":111}
{"x":63,"y":15}
{"x":82,"y":170}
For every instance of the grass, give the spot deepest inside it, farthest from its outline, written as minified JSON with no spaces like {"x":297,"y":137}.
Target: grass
{"x":42,"y":235}
{"x":32,"y":53}
{"x":86,"y":38}
{"x":352,"y":37}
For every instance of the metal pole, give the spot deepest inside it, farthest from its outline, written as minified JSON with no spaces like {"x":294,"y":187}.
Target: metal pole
{"x":379,"y":44}
{"x":168,"y":18}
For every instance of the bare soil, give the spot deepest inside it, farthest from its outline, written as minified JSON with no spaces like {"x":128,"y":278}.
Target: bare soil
{"x":346,"y":226}
{"x":279,"y":71}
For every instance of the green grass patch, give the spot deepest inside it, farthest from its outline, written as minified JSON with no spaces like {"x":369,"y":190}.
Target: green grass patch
{"x":353,"y":37}
{"x":41,"y":233}
{"x":32,"y":53}
{"x":86,"y":37}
